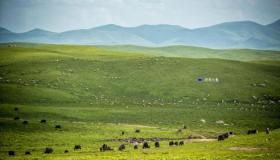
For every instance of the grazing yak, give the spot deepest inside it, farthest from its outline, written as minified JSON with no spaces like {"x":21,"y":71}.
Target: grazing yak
{"x":181,"y":143}
{"x":157,"y":144}
{"x":43,"y":121}
{"x":176,"y":143}
{"x":77,"y":147}
{"x":15,"y":109}
{"x":27,"y":153}
{"x":135,"y":146}
{"x":252,"y":131}
{"x":121,"y":147}
{"x":224,"y":136}
{"x":146,"y":145}
{"x":11,"y":153}
{"x":267,"y":131}
{"x":57,"y":126}
{"x":137,"y":131}
{"x":66,"y":151}
{"x":48,"y":150}
{"x":171,"y":143}
{"x":122,"y":132}
{"x":16,"y":118}
{"x":25,"y":122}
{"x":104,"y":148}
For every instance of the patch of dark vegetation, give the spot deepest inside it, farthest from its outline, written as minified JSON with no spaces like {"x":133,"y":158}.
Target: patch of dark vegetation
{"x":15,"y":109}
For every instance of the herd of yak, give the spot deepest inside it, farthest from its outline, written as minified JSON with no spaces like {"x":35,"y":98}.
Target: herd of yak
{"x":145,"y":145}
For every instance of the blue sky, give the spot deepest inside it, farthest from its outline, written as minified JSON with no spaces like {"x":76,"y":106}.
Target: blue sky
{"x":62,"y":15}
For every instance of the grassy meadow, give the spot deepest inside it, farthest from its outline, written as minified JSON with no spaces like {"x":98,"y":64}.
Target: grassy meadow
{"x":96,"y":92}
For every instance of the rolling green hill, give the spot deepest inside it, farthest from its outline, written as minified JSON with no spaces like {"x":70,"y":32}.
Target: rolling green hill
{"x":95,"y":92}
{"x":198,"y":52}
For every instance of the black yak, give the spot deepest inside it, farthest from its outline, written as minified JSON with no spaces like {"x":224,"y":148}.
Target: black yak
{"x":48,"y":150}
{"x":11,"y":153}
{"x":105,"y":147}
{"x":146,"y":145}
{"x":57,"y":126}
{"x":157,"y":144}
{"x":25,"y":122}
{"x":253,"y":131}
{"x":121,"y":147}
{"x":267,"y":130}
{"x":135,"y":146}
{"x":181,"y":143}
{"x":27,"y":153}
{"x":77,"y":147}
{"x":171,"y":143}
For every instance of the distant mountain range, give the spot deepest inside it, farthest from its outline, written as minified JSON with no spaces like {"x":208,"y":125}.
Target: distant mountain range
{"x":244,"y":34}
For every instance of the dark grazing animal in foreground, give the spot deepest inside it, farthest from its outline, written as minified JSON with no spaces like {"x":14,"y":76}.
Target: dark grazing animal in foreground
{"x":267,"y":131}
{"x":57,"y":126}
{"x":104,"y":148}
{"x":135,"y":146}
{"x":252,"y":131}
{"x":27,"y":153}
{"x":66,"y":151}
{"x":157,"y":144}
{"x":11,"y":153}
{"x":16,"y":118}
{"x":121,"y":147}
{"x":224,"y":136}
{"x":137,"y":131}
{"x":181,"y":143}
{"x":171,"y":143}
{"x":77,"y":147}
{"x":43,"y":121}
{"x":146,"y":145}
{"x":48,"y":150}
{"x":176,"y":143}
{"x":25,"y":122}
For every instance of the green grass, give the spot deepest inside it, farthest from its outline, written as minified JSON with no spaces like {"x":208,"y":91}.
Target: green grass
{"x":97,"y":92}
{"x":199,"y":52}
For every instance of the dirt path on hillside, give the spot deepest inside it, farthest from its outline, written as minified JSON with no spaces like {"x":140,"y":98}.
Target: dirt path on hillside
{"x":140,"y":140}
{"x":246,"y":149}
